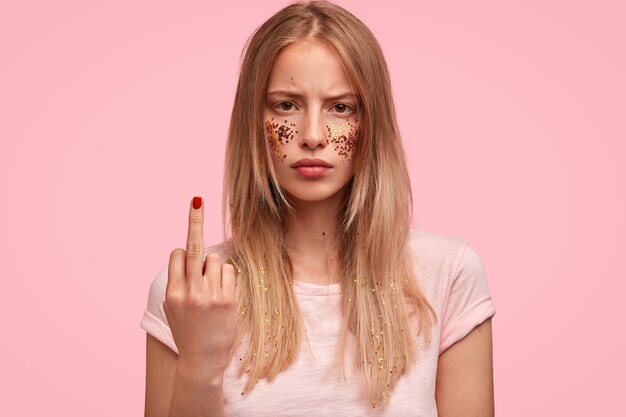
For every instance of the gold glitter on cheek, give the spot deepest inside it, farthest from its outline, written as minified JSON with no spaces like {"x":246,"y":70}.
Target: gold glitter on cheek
{"x":273,"y":139}
{"x":278,"y":135}
{"x":343,"y":137}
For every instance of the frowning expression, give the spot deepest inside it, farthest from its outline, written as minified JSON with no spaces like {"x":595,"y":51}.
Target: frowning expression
{"x":311,"y":121}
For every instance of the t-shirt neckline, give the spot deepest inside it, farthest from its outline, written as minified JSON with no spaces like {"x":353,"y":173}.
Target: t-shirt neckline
{"x":308,"y":288}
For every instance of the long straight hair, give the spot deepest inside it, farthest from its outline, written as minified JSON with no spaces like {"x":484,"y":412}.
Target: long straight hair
{"x":379,"y":292}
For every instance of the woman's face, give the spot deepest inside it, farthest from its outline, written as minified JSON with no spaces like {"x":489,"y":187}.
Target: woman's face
{"x":311,"y":123}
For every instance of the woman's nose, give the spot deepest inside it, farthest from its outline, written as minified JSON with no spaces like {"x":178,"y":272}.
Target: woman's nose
{"x":313,"y":134}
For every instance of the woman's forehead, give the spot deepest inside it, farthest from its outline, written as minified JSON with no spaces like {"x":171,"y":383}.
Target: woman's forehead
{"x":308,"y":67}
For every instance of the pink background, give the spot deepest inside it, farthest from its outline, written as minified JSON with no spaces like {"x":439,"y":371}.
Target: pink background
{"x":113,"y":116}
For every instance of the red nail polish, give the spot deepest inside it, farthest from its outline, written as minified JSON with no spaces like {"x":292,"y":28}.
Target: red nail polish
{"x":197,"y":202}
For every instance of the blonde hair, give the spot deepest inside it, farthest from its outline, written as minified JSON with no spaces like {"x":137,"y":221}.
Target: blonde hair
{"x":379,"y":291}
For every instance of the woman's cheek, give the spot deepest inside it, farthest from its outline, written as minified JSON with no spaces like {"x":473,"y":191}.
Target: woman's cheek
{"x":343,"y":137}
{"x":278,"y":135}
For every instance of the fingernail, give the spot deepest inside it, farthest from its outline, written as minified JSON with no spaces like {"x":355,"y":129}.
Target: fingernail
{"x":197,"y":202}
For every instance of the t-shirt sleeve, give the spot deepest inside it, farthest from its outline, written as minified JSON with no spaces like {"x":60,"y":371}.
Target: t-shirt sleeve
{"x":154,"y":321}
{"x":468,"y":302}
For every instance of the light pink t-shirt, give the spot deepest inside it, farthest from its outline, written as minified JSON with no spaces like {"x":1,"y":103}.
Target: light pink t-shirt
{"x":451,"y":276}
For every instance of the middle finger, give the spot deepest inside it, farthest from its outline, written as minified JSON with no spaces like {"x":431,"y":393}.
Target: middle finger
{"x":195,"y":241}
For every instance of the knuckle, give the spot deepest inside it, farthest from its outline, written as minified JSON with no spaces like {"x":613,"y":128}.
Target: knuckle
{"x":174,"y":298}
{"x":177,"y":252}
{"x":224,"y":303}
{"x":194,"y":248}
{"x":197,"y":300}
{"x":195,"y":218}
{"x":230,"y":303}
{"x":213,"y":257}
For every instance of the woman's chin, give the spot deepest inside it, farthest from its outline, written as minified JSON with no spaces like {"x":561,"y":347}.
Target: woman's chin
{"x":315,"y":196}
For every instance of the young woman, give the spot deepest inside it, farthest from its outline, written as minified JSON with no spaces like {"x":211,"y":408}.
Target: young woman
{"x":321,"y":300}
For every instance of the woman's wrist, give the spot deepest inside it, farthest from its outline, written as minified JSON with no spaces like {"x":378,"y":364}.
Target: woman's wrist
{"x":200,"y":371}
{"x":198,"y":390}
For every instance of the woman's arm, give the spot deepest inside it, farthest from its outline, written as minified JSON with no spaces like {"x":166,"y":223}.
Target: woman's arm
{"x":465,"y":376}
{"x":160,"y":372}
{"x":174,"y":388}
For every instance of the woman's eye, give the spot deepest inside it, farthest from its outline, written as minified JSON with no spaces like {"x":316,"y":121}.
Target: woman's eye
{"x":342,"y":108}
{"x":286,"y":106}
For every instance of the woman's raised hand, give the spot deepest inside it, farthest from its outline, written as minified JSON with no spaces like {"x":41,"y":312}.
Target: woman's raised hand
{"x":200,"y":301}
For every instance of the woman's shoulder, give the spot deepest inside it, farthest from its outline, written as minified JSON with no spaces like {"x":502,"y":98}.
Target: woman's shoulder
{"x":434,"y":246}
{"x":439,"y":256}
{"x":447,"y":263}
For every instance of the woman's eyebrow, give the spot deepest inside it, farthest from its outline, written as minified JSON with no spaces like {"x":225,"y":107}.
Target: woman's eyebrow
{"x":342,"y":96}
{"x":292,"y":94}
{"x":285,"y":93}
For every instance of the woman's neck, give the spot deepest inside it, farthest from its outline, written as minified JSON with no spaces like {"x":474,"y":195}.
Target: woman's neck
{"x":309,"y":240}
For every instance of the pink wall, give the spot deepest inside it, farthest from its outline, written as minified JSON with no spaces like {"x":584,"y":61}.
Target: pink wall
{"x":113,"y":115}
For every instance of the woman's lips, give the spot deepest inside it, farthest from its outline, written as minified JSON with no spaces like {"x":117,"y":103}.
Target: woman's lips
{"x":312,"y":171}
{"x":311,"y":168}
